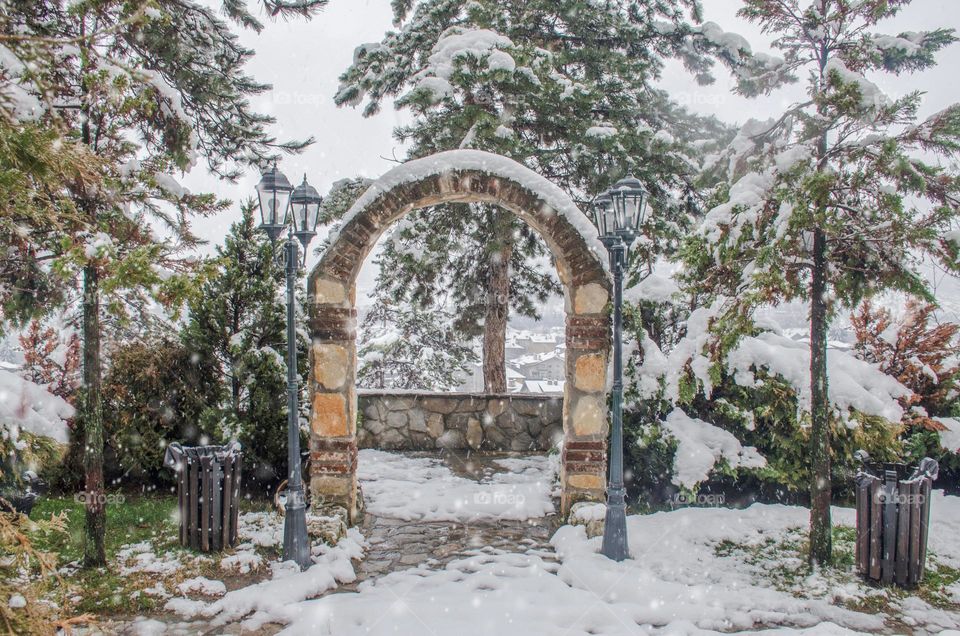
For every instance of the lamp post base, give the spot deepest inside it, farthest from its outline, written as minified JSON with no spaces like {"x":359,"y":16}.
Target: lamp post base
{"x":615,"y":526}
{"x":296,"y":544}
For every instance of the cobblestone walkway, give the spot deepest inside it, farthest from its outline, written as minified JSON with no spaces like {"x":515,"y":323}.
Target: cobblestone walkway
{"x":397,"y":544}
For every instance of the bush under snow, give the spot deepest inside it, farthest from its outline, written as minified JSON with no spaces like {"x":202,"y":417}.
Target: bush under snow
{"x":29,"y":407}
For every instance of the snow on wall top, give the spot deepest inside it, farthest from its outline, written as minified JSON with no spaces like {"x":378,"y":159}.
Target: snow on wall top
{"x":495,"y":165}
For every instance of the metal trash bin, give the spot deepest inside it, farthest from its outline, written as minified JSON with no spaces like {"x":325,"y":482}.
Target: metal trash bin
{"x":208,"y":493}
{"x":893,"y":515}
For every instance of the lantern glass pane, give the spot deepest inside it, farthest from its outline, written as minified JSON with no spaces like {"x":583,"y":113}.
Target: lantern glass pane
{"x":300,"y":217}
{"x":269,"y":207}
{"x":273,"y":206}
{"x":312,"y":216}
{"x":641,"y":211}
{"x":283,"y":202}
{"x":610,"y":220}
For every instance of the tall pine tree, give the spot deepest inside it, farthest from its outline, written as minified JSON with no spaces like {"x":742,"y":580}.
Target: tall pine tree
{"x":567,"y":89}
{"x":838,"y":197}
{"x":146,"y":88}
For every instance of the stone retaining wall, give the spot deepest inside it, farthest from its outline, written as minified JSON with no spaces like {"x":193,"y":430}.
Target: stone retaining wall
{"x":427,"y":421}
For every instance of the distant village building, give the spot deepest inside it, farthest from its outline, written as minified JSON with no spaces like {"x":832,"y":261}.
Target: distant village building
{"x":473,"y":381}
{"x":541,"y":366}
{"x":543,"y":386}
{"x":533,"y":343}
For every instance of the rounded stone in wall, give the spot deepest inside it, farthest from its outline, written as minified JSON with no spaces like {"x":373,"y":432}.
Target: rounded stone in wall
{"x":444,"y":405}
{"x":496,"y":407}
{"x":496,"y":438}
{"x":392,"y":439}
{"x":435,"y":425}
{"x":421,"y":441}
{"x":528,"y":407}
{"x":522,"y":442}
{"x":374,"y":427}
{"x":397,"y":419}
{"x":533,"y":425}
{"x":452,"y":439}
{"x":475,"y":433}
{"x":458,"y":421}
{"x":551,"y":436}
{"x":417,"y":421}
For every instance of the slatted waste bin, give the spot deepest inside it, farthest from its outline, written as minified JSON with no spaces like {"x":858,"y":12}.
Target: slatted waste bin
{"x":208,"y":493}
{"x":893,"y":514}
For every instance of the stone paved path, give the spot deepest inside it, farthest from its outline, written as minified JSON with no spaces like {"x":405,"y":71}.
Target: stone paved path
{"x":396,"y":544}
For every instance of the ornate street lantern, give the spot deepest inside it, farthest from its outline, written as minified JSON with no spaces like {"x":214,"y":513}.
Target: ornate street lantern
{"x":618,"y":214}
{"x":305,"y":210}
{"x":273,"y":193}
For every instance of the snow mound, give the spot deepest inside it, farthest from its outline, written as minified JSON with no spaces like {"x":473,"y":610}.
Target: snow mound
{"x":701,"y":445}
{"x":675,"y":578}
{"x":276,"y":600}
{"x":854,"y":384}
{"x":675,"y":583}
{"x":26,"y":406}
{"x":659,"y":287}
{"x":950,"y":438}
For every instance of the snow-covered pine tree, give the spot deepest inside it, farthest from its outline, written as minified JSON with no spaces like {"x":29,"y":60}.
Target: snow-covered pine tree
{"x":37,"y":212}
{"x":237,"y":334}
{"x":418,"y":349}
{"x":146,"y":88}
{"x":836,"y":198}
{"x":564,"y":87}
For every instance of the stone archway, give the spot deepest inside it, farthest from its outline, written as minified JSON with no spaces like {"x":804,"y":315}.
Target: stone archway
{"x":464,"y":176}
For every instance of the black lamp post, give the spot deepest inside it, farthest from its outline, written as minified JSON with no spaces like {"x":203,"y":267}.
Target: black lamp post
{"x":297,"y":210}
{"x":618,"y":214}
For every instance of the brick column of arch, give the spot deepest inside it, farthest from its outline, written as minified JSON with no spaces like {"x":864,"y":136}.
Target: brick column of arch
{"x":459,"y":176}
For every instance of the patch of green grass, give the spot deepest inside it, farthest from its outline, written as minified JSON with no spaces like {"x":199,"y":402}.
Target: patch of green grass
{"x":783,"y":562}
{"x":783,"y":559}
{"x":936,"y":579}
{"x":130,"y":519}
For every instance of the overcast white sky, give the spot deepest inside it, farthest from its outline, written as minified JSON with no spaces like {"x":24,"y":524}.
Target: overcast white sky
{"x":302,"y":60}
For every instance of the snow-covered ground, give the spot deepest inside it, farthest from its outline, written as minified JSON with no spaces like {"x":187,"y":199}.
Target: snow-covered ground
{"x":426,"y":489}
{"x":691,"y":571}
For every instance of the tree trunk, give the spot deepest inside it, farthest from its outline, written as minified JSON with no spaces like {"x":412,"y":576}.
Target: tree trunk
{"x":94,"y":554}
{"x":497,"y":307}
{"x":821,"y":542}
{"x":821,"y":546}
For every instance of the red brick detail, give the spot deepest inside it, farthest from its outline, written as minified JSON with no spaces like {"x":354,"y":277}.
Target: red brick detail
{"x":584,"y":457}
{"x":590,"y":333}
{"x":333,"y":456}
{"x":333,"y":323}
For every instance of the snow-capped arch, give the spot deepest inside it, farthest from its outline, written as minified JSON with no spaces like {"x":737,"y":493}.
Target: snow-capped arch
{"x":463,"y":176}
